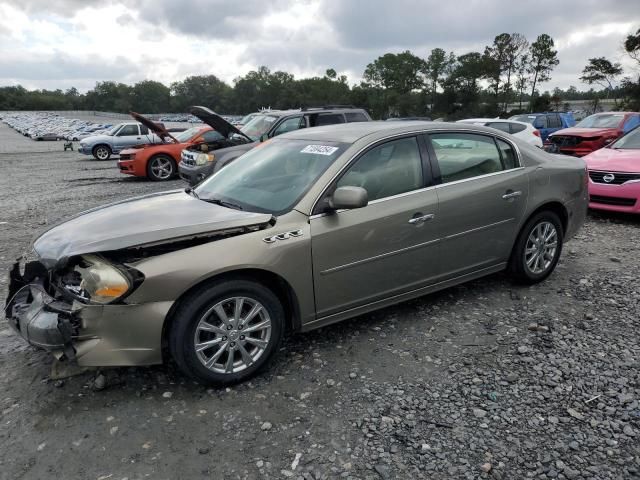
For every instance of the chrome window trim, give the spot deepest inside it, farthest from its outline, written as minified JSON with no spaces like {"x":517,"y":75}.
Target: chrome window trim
{"x":455,"y":182}
{"x":418,"y":132}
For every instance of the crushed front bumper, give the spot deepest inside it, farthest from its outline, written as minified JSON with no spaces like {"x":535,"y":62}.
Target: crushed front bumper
{"x":88,"y":334}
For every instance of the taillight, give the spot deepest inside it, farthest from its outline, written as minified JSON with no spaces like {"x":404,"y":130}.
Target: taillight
{"x":536,"y":133}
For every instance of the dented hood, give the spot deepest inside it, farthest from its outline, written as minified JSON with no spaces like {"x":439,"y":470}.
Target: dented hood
{"x":216,"y":122}
{"x":155,"y":218}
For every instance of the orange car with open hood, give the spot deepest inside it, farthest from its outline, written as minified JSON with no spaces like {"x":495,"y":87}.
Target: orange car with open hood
{"x":159,"y":162}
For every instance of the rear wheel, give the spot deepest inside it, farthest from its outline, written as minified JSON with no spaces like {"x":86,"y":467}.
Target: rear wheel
{"x":225,"y":333}
{"x":161,"y":168}
{"x":537,"y":248}
{"x":101,"y":152}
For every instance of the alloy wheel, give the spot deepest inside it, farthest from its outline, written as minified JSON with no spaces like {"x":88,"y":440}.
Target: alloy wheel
{"x":102,"y":153}
{"x":161,"y":168}
{"x":541,"y":247}
{"x":232,"y":335}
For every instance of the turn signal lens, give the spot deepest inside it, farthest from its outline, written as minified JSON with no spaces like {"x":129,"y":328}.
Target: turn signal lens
{"x":101,"y":281}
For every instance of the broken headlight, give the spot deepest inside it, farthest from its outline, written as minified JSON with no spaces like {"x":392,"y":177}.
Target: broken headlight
{"x":94,"y":279}
{"x":204,"y":158}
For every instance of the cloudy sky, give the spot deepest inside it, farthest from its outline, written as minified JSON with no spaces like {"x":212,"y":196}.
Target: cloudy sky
{"x":64,"y":43}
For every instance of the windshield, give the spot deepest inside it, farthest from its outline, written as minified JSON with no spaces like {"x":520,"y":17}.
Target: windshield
{"x":187,"y":135}
{"x":113,"y":130}
{"x":271,"y":178}
{"x":258,"y":125}
{"x":246,"y":118}
{"x":601,"y":120}
{"x":524,"y":118}
{"x":630,"y":141}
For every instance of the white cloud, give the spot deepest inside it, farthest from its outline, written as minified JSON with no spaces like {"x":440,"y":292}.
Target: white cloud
{"x":60,"y":43}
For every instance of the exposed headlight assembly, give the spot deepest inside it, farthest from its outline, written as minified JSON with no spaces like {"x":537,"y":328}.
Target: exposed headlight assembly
{"x":97,"y":281}
{"x":204,"y":158}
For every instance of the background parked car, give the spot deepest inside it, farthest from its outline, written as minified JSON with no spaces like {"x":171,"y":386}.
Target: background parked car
{"x":522,"y":130}
{"x":614,"y":175}
{"x":159,"y":162}
{"x":194,"y":168}
{"x":592,"y":133}
{"x":547,"y":123}
{"x":121,"y":136}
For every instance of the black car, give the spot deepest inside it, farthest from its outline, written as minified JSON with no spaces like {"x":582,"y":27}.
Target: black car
{"x":196,"y":164}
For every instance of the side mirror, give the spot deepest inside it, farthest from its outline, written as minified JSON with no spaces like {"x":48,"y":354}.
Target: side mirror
{"x":264,"y":137}
{"x":348,"y":198}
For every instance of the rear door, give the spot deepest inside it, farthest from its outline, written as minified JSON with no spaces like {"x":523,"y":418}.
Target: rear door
{"x":386,"y":248}
{"x":482,"y":194}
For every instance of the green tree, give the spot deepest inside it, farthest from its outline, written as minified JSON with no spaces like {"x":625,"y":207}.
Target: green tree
{"x":400,"y":72}
{"x":514,"y":55}
{"x":436,"y":67}
{"x":601,"y":72}
{"x":207,"y":90}
{"x":149,"y":96}
{"x":543,"y":58}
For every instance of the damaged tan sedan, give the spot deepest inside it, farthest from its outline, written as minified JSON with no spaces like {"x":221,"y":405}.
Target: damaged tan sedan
{"x":313,"y":227}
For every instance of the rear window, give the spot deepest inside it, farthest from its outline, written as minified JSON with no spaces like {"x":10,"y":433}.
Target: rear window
{"x":517,"y":127}
{"x":356,"y":117}
{"x":524,"y":118}
{"x":329,"y":119}
{"x":504,"y":126}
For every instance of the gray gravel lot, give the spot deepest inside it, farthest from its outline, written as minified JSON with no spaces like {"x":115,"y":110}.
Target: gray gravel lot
{"x":486,"y":380}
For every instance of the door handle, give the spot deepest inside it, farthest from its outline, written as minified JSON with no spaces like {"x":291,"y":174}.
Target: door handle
{"x":421,"y":219}
{"x":511,"y":194}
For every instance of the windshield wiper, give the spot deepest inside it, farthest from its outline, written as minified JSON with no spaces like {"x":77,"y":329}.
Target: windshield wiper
{"x":222,"y":203}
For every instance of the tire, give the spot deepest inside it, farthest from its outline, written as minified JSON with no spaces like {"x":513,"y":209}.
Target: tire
{"x":101,"y":152}
{"x":189,"y":328}
{"x":533,"y":259}
{"x":161,"y":168}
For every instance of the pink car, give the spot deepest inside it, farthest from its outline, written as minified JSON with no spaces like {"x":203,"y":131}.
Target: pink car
{"x":614,"y":175}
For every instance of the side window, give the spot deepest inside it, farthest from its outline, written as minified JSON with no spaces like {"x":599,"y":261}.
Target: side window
{"x":388,"y":169}
{"x":540,"y":121}
{"x":144,"y":130}
{"x":329,"y":119}
{"x":356,"y":117}
{"x":516,"y":127}
{"x":632,"y":122}
{"x":504,"y":126}
{"x":289,"y":125}
{"x":465,"y":155}
{"x":212,"y":136}
{"x":554,"y":120}
{"x":509,"y":160}
{"x":128,"y":130}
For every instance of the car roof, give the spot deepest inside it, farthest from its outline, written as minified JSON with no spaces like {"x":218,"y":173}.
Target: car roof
{"x":487,"y":120}
{"x":297,"y":111}
{"x":351,"y":132}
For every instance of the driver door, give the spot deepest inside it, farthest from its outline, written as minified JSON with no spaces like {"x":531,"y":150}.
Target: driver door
{"x":128,"y":136}
{"x":386,"y":248}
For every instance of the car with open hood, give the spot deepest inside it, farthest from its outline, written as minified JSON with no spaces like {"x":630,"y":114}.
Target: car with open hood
{"x":159,"y":161}
{"x":196,"y":166}
{"x":592,"y":133}
{"x":314,"y":227}
{"x":614,"y":175}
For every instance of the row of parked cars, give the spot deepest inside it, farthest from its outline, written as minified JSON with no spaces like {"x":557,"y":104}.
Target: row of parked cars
{"x":52,"y":126}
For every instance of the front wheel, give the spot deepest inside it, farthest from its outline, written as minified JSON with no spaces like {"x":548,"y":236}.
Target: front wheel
{"x":161,"y":168}
{"x":102,"y":152}
{"x":537,"y":248}
{"x":225,"y":333}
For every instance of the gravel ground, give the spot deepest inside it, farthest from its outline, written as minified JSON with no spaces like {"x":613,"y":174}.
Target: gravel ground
{"x":488,"y":380}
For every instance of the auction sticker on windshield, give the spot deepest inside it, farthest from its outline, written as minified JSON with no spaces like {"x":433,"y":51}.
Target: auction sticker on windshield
{"x":319,"y":149}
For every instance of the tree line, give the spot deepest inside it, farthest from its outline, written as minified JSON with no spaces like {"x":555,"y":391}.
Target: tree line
{"x":510,"y":70}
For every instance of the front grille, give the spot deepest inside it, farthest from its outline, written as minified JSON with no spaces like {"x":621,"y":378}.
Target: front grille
{"x":618,"y":177}
{"x":565,"y":140}
{"x":188,"y":158}
{"x":618,"y":201}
